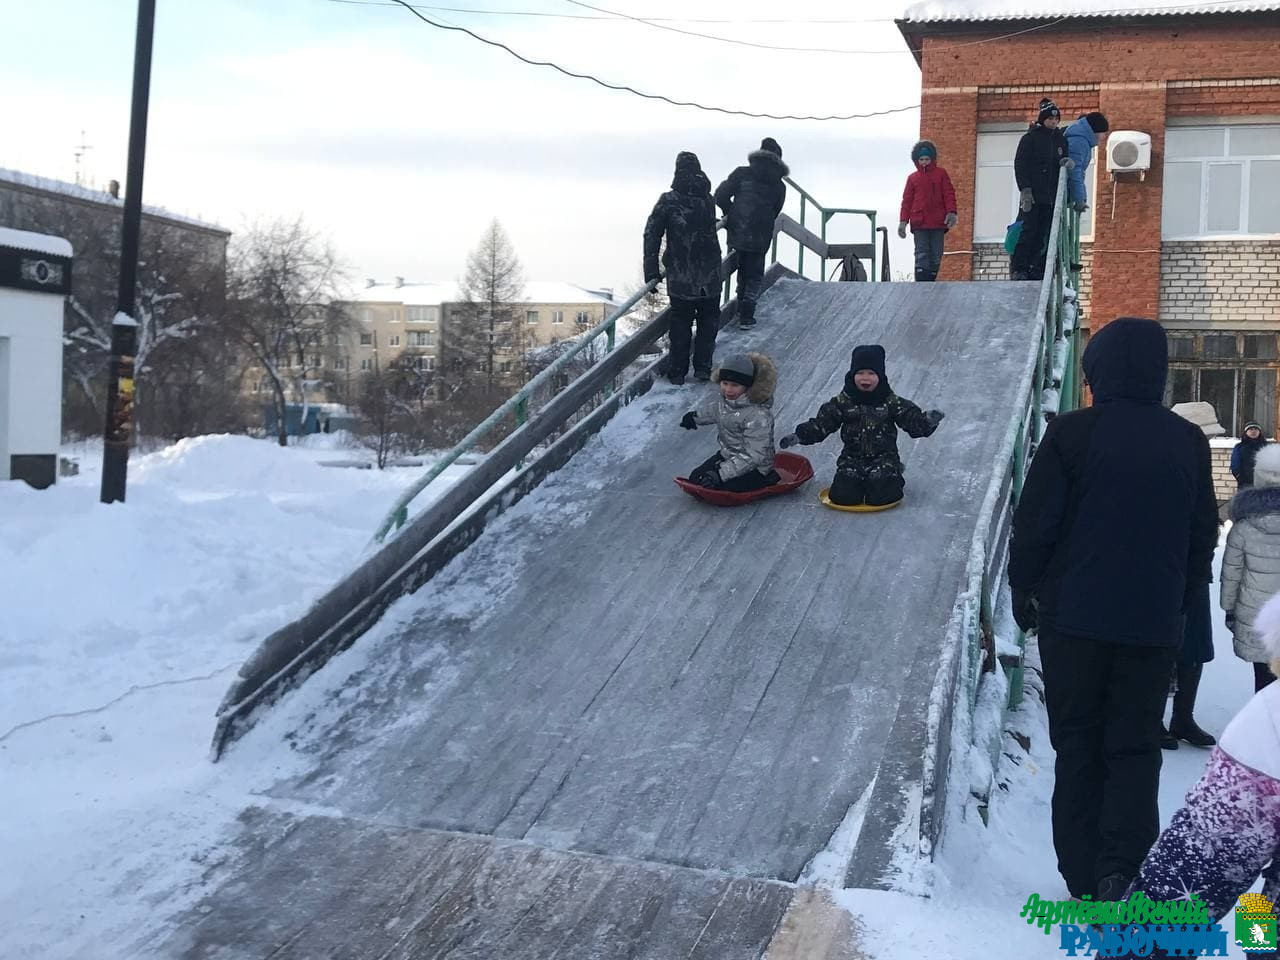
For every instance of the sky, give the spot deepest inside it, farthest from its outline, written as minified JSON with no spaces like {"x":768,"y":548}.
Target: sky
{"x":400,"y":142}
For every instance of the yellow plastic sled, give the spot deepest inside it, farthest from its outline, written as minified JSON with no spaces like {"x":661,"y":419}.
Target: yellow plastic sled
{"x":860,"y":508}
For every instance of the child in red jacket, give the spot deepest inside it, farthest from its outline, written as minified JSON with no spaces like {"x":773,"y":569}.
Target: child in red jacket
{"x":929,"y":208}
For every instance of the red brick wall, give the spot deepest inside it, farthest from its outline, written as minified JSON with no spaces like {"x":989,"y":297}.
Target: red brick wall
{"x":1122,"y":69}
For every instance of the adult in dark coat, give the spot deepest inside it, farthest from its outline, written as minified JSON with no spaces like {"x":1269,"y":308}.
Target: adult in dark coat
{"x":1113,"y":538}
{"x":751,"y":198}
{"x":686,"y":216}
{"x":1041,"y":152}
{"x":1245,"y":453}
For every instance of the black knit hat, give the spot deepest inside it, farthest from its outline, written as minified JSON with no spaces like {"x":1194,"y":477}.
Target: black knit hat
{"x":1097,"y":122}
{"x":738,"y":368}
{"x":687,"y":162}
{"x":1048,"y":109}
{"x":770,"y":144}
{"x":869,"y":356}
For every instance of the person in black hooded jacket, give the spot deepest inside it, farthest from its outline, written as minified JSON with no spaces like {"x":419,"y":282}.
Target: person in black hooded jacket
{"x":1245,"y":453}
{"x":1041,"y":152}
{"x":686,"y":216}
{"x":1113,"y":538}
{"x":751,"y":198}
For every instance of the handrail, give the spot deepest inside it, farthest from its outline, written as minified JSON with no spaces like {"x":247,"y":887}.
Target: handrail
{"x":397,"y":515}
{"x":826,"y":213}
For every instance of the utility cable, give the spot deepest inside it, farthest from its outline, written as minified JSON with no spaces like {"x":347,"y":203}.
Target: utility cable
{"x":640,"y":93}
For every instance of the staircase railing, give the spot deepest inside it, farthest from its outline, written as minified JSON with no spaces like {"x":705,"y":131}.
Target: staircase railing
{"x":832,"y":251}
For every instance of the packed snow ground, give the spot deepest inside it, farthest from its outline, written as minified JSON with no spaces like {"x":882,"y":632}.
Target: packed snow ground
{"x":124,"y":626}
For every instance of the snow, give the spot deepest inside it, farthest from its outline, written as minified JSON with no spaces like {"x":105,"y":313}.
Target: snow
{"x":35,"y":242}
{"x":434,"y":293}
{"x":98,"y":196}
{"x":953,"y":10}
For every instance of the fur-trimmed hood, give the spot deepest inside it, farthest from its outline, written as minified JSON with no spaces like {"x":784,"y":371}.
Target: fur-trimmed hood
{"x":1253,"y":502}
{"x":921,"y":148}
{"x":766,"y":379}
{"x":768,"y":163}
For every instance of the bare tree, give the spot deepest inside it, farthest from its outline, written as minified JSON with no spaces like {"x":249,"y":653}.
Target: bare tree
{"x":396,"y":409}
{"x":282,"y":308}
{"x":488,"y":330}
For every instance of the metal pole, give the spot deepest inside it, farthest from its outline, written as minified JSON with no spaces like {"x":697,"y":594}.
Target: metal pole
{"x":124,"y":329}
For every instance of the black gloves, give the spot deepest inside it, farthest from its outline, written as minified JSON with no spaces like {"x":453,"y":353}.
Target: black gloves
{"x":689,"y":421}
{"x":790,"y":440}
{"x":1231,"y":621}
{"x":650,"y":277}
{"x":935,"y":417}
{"x":709,"y":478}
{"x":1025,"y":611}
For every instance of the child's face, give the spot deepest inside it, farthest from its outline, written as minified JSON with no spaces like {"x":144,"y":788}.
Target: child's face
{"x":731,"y":391}
{"x":1052,"y":122}
{"x":925,"y":161}
{"x":1253,"y":433}
{"x":866,"y":380}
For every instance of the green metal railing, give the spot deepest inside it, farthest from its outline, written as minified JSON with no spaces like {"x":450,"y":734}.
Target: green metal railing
{"x":1056,"y":382}
{"x":825,"y":215}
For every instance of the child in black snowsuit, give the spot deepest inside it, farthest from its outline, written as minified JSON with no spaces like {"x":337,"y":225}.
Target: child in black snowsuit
{"x":686,"y":216}
{"x":1041,"y":152}
{"x":751,"y":198}
{"x":868,"y":415}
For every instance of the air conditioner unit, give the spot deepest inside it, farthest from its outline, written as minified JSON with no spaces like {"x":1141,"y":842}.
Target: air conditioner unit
{"x":1128,"y":151}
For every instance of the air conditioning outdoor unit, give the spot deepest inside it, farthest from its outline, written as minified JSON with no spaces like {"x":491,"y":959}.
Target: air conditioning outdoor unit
{"x":1128,"y":151}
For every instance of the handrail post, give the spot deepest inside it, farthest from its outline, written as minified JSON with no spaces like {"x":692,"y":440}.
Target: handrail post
{"x":800,"y":255}
{"x":822,"y":274}
{"x":610,"y":339}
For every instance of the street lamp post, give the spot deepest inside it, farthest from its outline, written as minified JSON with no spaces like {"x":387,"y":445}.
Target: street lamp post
{"x":124,"y":328}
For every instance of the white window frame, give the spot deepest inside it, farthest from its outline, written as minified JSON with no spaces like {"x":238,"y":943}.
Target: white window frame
{"x":1091,"y":179}
{"x":424,"y":314}
{"x":583,"y":317}
{"x":1225,"y":159}
{"x":557,"y":317}
{"x":393,"y":340}
{"x":366,"y":340}
{"x":531,"y":317}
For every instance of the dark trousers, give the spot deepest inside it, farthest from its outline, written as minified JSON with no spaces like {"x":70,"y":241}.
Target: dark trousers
{"x":1029,"y":254}
{"x":851,"y":490}
{"x":1105,"y":703}
{"x":750,"y":279}
{"x":928,"y":254}
{"x":683,"y":314}
{"x":751,"y":480}
{"x":1262,"y":676}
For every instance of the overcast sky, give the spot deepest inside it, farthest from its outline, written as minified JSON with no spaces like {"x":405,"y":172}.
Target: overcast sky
{"x":401,"y":141}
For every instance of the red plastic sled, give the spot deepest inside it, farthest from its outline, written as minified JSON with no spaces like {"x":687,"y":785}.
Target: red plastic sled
{"x":794,"y":470}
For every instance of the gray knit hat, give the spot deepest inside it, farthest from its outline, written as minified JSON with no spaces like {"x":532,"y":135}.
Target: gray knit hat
{"x":737,"y":369}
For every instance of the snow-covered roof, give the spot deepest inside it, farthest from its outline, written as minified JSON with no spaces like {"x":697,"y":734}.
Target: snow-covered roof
{"x":940,"y":11}
{"x":35,"y":242}
{"x":99,"y":196}
{"x":432,"y":293}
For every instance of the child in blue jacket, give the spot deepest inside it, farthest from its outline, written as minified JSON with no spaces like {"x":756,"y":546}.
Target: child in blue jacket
{"x":1082,"y":137}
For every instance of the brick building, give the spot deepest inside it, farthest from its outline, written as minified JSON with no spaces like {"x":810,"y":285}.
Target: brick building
{"x":1195,"y":242}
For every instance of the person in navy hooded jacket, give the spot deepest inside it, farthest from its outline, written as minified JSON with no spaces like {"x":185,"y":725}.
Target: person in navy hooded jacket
{"x":1112,"y":542}
{"x":929,"y":208}
{"x":1082,"y":137}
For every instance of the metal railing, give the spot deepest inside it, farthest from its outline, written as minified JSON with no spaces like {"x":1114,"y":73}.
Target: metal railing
{"x":825,"y":215}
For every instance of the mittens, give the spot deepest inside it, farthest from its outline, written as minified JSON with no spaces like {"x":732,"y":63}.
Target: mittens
{"x":935,"y":417}
{"x":790,"y":440}
{"x":950,"y":220}
{"x":902,"y":229}
{"x":689,"y":421}
{"x":1025,"y":612}
{"x":1025,"y":200}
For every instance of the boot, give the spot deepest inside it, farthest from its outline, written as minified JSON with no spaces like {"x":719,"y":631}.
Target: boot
{"x":1167,"y":740}
{"x":1182,"y":725}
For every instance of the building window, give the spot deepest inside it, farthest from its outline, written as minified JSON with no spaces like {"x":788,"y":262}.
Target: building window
{"x":422,"y":338}
{"x":366,"y":315}
{"x":1221,"y":181}
{"x":1236,"y":373}
{"x":583,"y":319}
{"x":366,"y":364}
{"x":394,"y":340}
{"x":504,"y":366}
{"x":424,"y":314}
{"x":366,"y":339}
{"x":317,"y":361}
{"x":995,"y":189}
{"x":557,"y":316}
{"x":531,"y":316}
{"x":340,"y":363}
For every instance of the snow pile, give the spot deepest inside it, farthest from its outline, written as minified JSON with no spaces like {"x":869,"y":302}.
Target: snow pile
{"x":35,"y":242}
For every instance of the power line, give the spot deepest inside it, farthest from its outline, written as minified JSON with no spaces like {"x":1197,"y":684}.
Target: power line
{"x":653,"y":22}
{"x":639,"y":93}
{"x":614,"y":19}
